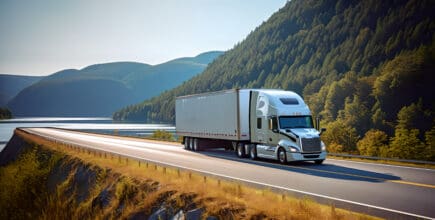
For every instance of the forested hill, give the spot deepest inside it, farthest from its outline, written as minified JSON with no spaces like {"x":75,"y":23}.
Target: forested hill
{"x":366,"y":67}
{"x":100,"y":89}
{"x":11,"y":85}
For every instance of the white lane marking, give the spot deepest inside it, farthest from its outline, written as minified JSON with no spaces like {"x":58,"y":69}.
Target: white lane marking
{"x":269,"y":185}
{"x":386,"y":165}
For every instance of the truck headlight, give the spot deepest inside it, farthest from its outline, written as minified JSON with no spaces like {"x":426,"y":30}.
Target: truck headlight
{"x":323,"y":146}
{"x":293,"y":149}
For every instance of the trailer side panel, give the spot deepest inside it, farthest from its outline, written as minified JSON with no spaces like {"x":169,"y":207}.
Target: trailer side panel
{"x":214,"y":115}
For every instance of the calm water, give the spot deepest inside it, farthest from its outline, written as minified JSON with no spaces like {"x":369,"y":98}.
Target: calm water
{"x":98,"y":125}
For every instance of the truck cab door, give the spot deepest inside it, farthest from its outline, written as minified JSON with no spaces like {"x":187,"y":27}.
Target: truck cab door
{"x":259,"y":132}
{"x":272,"y":135}
{"x":260,"y":136}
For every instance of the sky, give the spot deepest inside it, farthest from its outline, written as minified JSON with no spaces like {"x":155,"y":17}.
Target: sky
{"x":45,"y":36}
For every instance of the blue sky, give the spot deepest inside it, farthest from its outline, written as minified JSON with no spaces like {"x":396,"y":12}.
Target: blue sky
{"x":44,"y":36}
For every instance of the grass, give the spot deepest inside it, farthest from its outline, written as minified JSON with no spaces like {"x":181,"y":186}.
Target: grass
{"x":30,"y":169}
{"x":143,"y":187}
{"x":388,"y":162}
{"x":162,"y":135}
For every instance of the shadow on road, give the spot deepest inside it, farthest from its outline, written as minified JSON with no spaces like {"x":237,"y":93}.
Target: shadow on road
{"x":309,"y":168}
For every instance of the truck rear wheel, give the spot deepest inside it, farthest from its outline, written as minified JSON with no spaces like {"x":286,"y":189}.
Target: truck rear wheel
{"x":253,"y":152}
{"x":196,"y":144}
{"x":240,"y":150}
{"x":186,"y":143}
{"x":191,"y":143}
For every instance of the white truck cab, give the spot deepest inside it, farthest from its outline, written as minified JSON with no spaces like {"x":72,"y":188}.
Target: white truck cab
{"x":284,"y":128}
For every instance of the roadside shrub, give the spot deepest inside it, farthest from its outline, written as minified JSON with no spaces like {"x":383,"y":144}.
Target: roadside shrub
{"x":340,"y":137}
{"x":162,"y":135}
{"x":373,"y":143}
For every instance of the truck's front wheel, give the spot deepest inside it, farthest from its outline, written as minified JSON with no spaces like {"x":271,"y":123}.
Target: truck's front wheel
{"x":318,"y":162}
{"x":282,"y":156}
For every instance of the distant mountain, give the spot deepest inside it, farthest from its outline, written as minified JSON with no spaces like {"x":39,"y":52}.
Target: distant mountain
{"x":360,"y":65}
{"x":11,"y":85}
{"x":100,"y":89}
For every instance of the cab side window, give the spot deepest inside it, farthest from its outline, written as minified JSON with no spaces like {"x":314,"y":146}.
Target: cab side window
{"x":273,"y":123}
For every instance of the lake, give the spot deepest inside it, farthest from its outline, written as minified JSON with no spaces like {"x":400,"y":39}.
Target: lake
{"x":97,"y":125}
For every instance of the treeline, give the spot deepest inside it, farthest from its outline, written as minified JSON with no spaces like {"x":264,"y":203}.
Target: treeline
{"x":5,"y":113}
{"x":364,"y":67}
{"x":388,"y":115}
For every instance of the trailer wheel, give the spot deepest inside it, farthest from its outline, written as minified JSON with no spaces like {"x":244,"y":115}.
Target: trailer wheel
{"x":191,"y":143}
{"x":282,"y":156}
{"x":196,"y":144}
{"x":240,"y":150}
{"x":253,"y":152}
{"x":186,"y":143}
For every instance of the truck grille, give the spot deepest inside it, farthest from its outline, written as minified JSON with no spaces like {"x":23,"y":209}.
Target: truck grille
{"x":311,"y":144}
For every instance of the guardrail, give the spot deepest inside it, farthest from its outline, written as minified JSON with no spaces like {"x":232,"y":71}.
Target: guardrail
{"x":382,"y":158}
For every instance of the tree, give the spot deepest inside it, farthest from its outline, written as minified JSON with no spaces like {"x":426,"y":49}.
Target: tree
{"x":340,"y":137}
{"x":337,"y":94}
{"x":405,"y":144}
{"x":356,"y":115}
{"x":5,"y":113}
{"x":430,"y":144}
{"x":413,"y":116}
{"x":373,"y":143}
{"x":403,"y":80}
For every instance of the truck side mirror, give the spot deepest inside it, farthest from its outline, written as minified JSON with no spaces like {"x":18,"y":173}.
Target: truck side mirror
{"x":322,"y":130}
{"x":317,"y":123}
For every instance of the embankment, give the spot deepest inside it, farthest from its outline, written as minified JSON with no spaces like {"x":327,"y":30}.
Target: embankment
{"x":42,"y":179}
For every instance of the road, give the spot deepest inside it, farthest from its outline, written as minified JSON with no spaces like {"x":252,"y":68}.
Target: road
{"x":381,"y":190}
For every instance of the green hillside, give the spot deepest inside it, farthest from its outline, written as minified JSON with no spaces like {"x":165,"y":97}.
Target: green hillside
{"x":364,"y":67}
{"x":11,"y":85}
{"x":100,"y":89}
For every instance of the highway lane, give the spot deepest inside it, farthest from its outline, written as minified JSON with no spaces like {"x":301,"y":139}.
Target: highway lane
{"x":389,"y":191}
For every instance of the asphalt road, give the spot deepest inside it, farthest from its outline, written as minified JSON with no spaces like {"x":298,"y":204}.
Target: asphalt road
{"x":382,"y":190}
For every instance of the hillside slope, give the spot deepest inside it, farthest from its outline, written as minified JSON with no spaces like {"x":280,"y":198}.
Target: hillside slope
{"x":100,"y":89}
{"x":11,"y":85}
{"x":359,"y":64}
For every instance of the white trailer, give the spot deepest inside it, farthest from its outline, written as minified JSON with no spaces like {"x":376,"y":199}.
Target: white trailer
{"x":218,"y":115}
{"x":273,"y":124}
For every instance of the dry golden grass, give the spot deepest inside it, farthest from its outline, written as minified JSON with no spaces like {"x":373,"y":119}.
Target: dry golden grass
{"x":223,"y":199}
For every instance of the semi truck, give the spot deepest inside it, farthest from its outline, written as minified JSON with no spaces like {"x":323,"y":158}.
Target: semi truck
{"x":255,"y":123}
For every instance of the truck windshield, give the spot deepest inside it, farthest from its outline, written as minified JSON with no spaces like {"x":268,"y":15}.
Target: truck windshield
{"x":295,"y":122}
